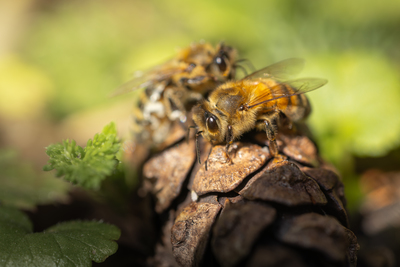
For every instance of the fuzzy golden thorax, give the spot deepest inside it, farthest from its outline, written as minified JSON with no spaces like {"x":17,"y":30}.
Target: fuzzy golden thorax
{"x":221,"y":118}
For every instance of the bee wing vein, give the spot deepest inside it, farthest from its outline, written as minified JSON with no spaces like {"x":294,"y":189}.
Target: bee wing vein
{"x":298,"y":86}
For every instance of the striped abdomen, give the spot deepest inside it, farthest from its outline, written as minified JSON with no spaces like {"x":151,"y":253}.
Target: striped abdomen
{"x":294,"y":106}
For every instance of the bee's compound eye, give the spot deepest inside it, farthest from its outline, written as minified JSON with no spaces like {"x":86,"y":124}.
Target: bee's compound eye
{"x":221,"y":63}
{"x":212,"y":124}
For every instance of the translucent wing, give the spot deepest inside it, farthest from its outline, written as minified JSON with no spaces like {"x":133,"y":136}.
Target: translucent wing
{"x":159,"y":73}
{"x":280,"y":71}
{"x":155,"y":75}
{"x":287,"y":89}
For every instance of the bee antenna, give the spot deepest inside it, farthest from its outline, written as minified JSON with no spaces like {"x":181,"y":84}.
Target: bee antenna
{"x":240,"y":67}
{"x":188,"y":132}
{"x":247,"y":62}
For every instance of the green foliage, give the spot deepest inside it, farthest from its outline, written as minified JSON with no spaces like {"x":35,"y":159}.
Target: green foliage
{"x":263,"y":31}
{"x":87,"y":51}
{"x":88,"y":166}
{"x":352,"y":112}
{"x":22,"y":187}
{"x":24,"y":89}
{"x":75,"y":243}
{"x":74,"y":57}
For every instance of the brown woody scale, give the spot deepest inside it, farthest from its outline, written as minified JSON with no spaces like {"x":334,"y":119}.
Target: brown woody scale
{"x":257,"y":211}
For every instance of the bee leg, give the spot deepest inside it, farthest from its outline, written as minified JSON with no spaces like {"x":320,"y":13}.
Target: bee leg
{"x":174,"y":107}
{"x":197,"y":148}
{"x":188,"y":133}
{"x":271,"y":131}
{"x":229,"y":141}
{"x":209,"y":153}
{"x":194,"y":97}
{"x":227,"y":152}
{"x":271,"y":137}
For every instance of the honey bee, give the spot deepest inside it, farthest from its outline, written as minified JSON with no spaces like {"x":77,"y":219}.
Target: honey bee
{"x":257,"y":101}
{"x":172,"y":89}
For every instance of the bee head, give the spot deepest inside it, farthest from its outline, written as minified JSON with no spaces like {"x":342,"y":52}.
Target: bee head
{"x":208,"y":122}
{"x":222,"y":64}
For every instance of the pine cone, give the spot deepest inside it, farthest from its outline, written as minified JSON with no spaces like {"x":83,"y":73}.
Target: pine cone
{"x":254,"y":211}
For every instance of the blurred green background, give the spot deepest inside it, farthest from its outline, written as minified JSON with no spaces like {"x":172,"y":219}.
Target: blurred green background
{"x":59,"y":61}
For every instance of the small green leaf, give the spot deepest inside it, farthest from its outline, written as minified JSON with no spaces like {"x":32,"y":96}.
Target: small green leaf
{"x":88,"y":166}
{"x":75,"y":243}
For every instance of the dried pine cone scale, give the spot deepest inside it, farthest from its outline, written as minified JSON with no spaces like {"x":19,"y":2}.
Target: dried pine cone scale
{"x":169,"y":170}
{"x":191,"y":230}
{"x":275,"y":255}
{"x":292,"y":204}
{"x":233,"y":236}
{"x":221,"y":175}
{"x":317,"y":232}
{"x":282,"y":182}
{"x":333,"y":189}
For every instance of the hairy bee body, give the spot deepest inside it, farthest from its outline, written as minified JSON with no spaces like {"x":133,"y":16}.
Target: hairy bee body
{"x":229,"y":97}
{"x":173,"y":88}
{"x":255,"y":102}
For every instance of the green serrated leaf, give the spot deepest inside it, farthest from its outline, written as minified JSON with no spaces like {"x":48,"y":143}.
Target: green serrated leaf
{"x":110,"y":129}
{"x":88,"y":166}
{"x":75,"y":243}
